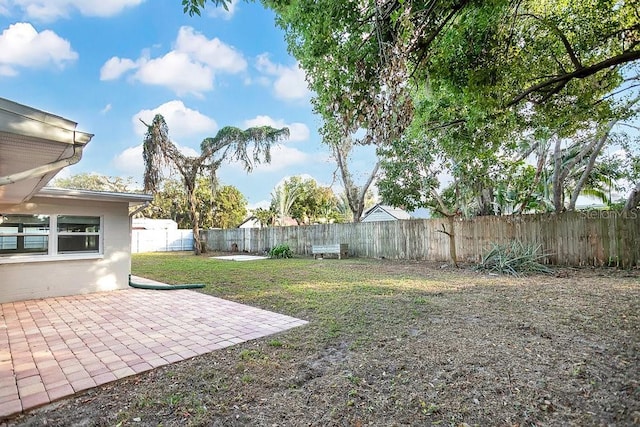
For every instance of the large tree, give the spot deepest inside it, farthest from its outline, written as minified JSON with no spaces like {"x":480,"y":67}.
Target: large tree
{"x":499,"y":73}
{"x":246,"y":147}
{"x":305,"y":201}
{"x":222,"y":207}
{"x":229,"y":207}
{"x":96,"y":182}
{"x":355,"y":195}
{"x":521,"y":50}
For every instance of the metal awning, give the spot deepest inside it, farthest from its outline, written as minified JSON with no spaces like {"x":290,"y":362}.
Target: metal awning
{"x":34,"y":146}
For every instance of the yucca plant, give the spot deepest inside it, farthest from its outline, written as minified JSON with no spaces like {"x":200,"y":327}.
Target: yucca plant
{"x":515,"y":259}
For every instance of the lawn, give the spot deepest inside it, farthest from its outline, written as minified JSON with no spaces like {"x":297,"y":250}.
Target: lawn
{"x":392,"y":343}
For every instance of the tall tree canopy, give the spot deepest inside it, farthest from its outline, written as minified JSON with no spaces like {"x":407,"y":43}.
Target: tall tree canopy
{"x":96,"y":182}
{"x":246,"y":147}
{"x":485,"y":79}
{"x":224,"y":207}
{"x":305,"y":201}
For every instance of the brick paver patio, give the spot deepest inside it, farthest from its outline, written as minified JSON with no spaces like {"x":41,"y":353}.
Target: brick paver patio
{"x":55,"y":347}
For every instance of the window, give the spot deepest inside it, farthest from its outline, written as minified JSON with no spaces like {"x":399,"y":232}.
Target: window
{"x":78,"y":234}
{"x":24,"y":235}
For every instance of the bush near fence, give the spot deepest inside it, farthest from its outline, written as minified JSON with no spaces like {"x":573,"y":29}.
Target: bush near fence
{"x":572,"y":238}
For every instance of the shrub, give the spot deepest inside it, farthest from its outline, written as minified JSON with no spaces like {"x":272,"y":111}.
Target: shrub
{"x":281,"y":251}
{"x":515,"y":259}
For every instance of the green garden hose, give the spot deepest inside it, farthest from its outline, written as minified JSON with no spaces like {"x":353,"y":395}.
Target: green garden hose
{"x":161,"y":287}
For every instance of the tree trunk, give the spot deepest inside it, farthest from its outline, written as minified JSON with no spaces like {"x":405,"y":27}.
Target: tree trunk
{"x":589,"y":167}
{"x":451,"y":233}
{"x":558,"y":192}
{"x":355,"y":196}
{"x":485,"y":201}
{"x":452,"y":242}
{"x":536,"y":180}
{"x":195,"y":220}
{"x":633,"y":201}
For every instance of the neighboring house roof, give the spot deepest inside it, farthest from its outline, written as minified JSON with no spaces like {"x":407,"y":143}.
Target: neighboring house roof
{"x":384,"y":213}
{"x":34,"y":146}
{"x":287,"y":221}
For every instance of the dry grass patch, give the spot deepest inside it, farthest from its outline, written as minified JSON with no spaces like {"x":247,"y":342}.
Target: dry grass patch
{"x":392,"y":343}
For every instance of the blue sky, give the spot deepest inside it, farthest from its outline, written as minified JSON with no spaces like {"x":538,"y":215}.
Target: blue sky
{"x":105,"y":63}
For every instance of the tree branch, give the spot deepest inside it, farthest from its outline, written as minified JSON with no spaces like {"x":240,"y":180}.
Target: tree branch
{"x":589,"y":167}
{"x":623,"y":58}
{"x":567,"y":46}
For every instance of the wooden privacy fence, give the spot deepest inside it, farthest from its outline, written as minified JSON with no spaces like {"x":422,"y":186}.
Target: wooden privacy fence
{"x":572,"y":238}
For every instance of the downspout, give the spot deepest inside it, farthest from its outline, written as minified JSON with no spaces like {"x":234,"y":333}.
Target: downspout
{"x":44,"y":169}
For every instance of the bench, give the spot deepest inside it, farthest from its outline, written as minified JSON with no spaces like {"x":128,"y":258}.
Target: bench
{"x":341,"y":249}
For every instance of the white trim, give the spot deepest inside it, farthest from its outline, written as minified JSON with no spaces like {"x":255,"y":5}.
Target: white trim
{"x":17,"y":259}
{"x":104,"y":196}
{"x":52,"y":250}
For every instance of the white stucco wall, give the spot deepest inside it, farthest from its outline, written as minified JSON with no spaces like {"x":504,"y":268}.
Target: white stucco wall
{"x":58,"y":276}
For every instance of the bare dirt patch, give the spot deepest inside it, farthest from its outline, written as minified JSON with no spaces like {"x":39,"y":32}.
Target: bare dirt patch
{"x":393,"y":344}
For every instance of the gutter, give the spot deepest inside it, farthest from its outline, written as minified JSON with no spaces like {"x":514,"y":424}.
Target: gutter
{"x":40,"y":171}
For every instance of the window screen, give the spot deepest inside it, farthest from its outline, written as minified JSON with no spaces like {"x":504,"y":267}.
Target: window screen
{"x":24,"y":234}
{"x":78,"y":234}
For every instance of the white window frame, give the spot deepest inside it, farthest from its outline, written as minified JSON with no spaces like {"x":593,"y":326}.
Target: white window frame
{"x":52,"y":252}
{"x":25,"y":235}
{"x":83,"y":233}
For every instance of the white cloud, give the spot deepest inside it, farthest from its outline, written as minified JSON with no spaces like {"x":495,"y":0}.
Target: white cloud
{"x":214,"y":53}
{"x":302,"y":176}
{"x":220,"y":12}
{"x":289,"y":83}
{"x":106,"y":109}
{"x":282,"y":157}
{"x":181,"y":121}
{"x":22,"y":46}
{"x":177,"y":71}
{"x":7,"y":71}
{"x":297,"y":131}
{"x":115,"y":67}
{"x":262,"y":204}
{"x":130,"y":163}
{"x":189,"y":68}
{"x":264,"y":64}
{"x":50,"y":10}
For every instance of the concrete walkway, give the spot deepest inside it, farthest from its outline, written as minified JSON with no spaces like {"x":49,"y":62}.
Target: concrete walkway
{"x":55,"y":347}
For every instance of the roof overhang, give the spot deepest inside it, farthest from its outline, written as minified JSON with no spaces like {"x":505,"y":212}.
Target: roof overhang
{"x":34,"y":146}
{"x":132,"y":199}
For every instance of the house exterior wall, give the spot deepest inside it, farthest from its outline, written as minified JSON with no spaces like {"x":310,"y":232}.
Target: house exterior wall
{"x":69,"y":275}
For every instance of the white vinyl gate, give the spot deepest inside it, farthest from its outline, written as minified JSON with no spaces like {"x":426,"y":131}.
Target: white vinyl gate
{"x":161,"y":240}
